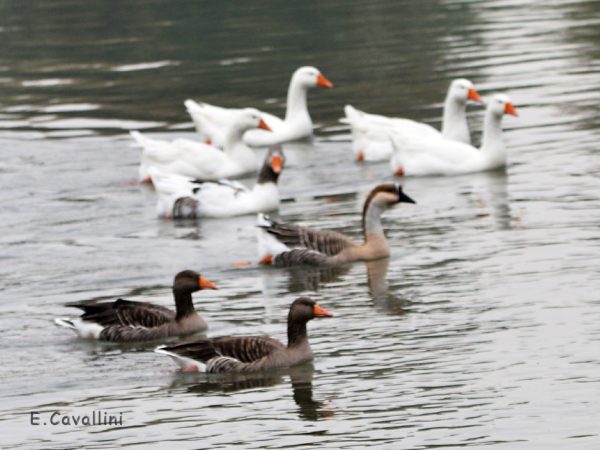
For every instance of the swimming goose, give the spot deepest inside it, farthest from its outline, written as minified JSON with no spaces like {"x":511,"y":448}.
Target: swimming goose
{"x":370,"y":141}
{"x":288,"y":245}
{"x":129,"y":321}
{"x":244,"y":354}
{"x":419,"y":156}
{"x":203,"y":161}
{"x":210,"y":120}
{"x":185,"y":198}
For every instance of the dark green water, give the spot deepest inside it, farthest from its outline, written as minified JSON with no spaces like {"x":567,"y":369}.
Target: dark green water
{"x":480,"y":331}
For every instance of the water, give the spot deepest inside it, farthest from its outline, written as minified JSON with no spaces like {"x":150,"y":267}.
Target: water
{"x":482,"y":328}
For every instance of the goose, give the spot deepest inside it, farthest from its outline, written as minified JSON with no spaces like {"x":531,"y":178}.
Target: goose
{"x":286,"y":245}
{"x":130,"y":321}
{"x":370,"y":142}
{"x":245,"y":354}
{"x":297,"y":124}
{"x":419,"y":156}
{"x":185,"y":198}
{"x":203,"y":161}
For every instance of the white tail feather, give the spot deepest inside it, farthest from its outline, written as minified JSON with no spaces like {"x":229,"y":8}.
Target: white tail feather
{"x":182,"y":361}
{"x":64,"y":322}
{"x":84,"y":329}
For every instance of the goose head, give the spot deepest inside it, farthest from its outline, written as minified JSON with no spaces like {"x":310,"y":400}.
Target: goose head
{"x":462,"y":90}
{"x":275,"y":159}
{"x":304,"y":309}
{"x":381,"y":198}
{"x":189,"y":281}
{"x":249,"y":118}
{"x":273,"y":165}
{"x":500,"y":105}
{"x":386,"y":196}
{"x":309,"y":77}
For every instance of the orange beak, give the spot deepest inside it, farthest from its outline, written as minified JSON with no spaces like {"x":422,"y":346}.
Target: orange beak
{"x":360,"y":156}
{"x":276,"y":163}
{"x":262,"y":124}
{"x":266,"y":260}
{"x":399,"y":171}
{"x":510,"y":109}
{"x":323,"y":82}
{"x":474,"y":95}
{"x":321,"y":312}
{"x":205,"y":284}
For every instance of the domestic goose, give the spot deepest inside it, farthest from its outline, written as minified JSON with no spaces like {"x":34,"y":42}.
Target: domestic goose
{"x":431,"y":156}
{"x":203,"y":161}
{"x":181,"y":197}
{"x":246,"y":354}
{"x":370,"y":141}
{"x":129,"y":321}
{"x":288,"y":245}
{"x":210,"y":120}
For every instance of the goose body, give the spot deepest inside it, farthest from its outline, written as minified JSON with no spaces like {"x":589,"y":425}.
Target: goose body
{"x":369,"y":131}
{"x":211,"y":120}
{"x":203,"y":161}
{"x":129,"y":321}
{"x":185,"y":198}
{"x":418,"y":156}
{"x":287,"y":245}
{"x":246,"y":354}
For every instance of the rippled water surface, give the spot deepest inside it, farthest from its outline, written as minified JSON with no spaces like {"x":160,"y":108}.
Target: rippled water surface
{"x":481,"y":330}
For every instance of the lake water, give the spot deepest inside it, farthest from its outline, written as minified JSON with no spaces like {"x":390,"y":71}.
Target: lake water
{"x":481,"y":330}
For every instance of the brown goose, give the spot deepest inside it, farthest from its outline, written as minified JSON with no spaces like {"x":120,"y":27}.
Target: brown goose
{"x":243,"y":354}
{"x":129,"y":321}
{"x":285,"y":245}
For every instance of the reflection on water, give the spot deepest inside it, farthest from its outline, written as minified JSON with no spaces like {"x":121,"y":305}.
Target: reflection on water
{"x":300,"y":380}
{"x":384,"y":299}
{"x":490,"y":195}
{"x":311,"y":278}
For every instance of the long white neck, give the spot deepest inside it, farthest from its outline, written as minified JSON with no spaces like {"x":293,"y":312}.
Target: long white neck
{"x":233,"y":137}
{"x":454,"y":122}
{"x":296,"y":102}
{"x":237,"y":150}
{"x":372,"y":220}
{"x":492,"y":144}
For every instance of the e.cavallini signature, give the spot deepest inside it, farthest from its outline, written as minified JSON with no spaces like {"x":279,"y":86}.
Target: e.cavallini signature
{"x":92,"y":418}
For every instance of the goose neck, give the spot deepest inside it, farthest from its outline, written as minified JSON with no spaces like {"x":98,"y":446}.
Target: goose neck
{"x":184,"y":305}
{"x":372,"y":219}
{"x":492,"y":132}
{"x":267,"y":175}
{"x":296,"y":102}
{"x":297,"y":334}
{"x":454,"y":120}
{"x":233,"y":138}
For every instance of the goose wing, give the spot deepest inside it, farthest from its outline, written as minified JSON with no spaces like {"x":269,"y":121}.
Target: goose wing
{"x":226,"y":354}
{"x":127,"y":313}
{"x":327,"y":242}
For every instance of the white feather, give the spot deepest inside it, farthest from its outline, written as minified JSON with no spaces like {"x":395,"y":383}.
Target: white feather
{"x":182,"y":361}
{"x":268,"y":245}
{"x":84,"y":329}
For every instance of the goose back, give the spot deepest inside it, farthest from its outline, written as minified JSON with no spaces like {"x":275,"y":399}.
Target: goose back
{"x":327,"y":242}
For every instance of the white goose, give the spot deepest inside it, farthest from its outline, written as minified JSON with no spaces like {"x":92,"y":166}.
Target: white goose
{"x":210,"y":120}
{"x":441,"y":156}
{"x":203,"y":161}
{"x":184,"y":198}
{"x":370,"y":141}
